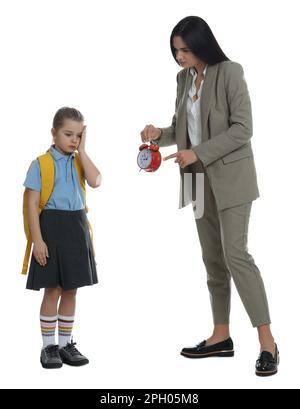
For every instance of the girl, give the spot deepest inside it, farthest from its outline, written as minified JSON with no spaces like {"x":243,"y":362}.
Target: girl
{"x":62,"y":257}
{"x":212,"y":128}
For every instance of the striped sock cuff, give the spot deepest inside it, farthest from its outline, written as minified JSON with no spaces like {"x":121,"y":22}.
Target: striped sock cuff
{"x":65,"y":325}
{"x":48,"y":325}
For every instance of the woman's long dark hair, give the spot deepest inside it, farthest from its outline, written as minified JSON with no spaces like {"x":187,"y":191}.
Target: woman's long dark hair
{"x":199,"y":38}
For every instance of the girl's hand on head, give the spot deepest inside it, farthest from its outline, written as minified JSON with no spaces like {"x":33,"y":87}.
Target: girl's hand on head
{"x":150,"y":133}
{"x":81,"y":147}
{"x":40,"y":252}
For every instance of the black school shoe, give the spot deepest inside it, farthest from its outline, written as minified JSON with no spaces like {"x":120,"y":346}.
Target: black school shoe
{"x":221,"y":349}
{"x":71,"y":356}
{"x":50,"y":358}
{"x":267,"y":365}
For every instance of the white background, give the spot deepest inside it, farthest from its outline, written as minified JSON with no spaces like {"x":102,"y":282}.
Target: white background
{"x":112,"y":61}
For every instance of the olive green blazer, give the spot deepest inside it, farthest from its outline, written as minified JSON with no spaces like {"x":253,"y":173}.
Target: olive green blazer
{"x":226,"y":120}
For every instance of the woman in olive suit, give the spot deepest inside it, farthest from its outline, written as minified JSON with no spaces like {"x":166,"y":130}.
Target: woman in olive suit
{"x":212,"y":128}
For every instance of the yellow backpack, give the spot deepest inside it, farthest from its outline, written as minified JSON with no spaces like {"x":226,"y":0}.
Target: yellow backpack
{"x":46,"y":163}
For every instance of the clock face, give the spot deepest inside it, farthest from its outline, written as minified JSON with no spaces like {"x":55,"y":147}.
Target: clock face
{"x":144,"y":158}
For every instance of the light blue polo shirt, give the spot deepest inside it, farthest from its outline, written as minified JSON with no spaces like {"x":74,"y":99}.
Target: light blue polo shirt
{"x":67,"y":193}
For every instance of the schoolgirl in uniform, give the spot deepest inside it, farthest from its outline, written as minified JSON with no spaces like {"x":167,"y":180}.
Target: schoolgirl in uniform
{"x":62,"y":258}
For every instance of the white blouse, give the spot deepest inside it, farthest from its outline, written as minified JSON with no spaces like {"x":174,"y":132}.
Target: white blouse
{"x":193,"y":110}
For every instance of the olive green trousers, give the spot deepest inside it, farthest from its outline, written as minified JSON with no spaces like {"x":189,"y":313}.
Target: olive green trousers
{"x":223,"y":238}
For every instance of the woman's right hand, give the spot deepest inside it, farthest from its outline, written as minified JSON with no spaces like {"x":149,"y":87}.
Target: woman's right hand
{"x":40,"y":252}
{"x":150,"y":133}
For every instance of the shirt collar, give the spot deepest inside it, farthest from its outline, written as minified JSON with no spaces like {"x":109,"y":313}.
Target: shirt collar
{"x":57,"y":155}
{"x":194,"y":72}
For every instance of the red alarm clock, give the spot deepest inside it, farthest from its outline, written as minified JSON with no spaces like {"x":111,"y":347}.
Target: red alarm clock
{"x":149,"y":157}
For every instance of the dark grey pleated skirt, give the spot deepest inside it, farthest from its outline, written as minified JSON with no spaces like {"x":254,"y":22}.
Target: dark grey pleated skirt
{"x":71,"y":262}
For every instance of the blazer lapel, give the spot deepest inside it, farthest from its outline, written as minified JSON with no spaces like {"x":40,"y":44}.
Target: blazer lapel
{"x":207,"y":88}
{"x":206,"y":93}
{"x":181,"y":114}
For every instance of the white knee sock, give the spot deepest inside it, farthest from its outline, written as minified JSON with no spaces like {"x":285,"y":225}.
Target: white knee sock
{"x":48,"y":327}
{"x":65,"y":326}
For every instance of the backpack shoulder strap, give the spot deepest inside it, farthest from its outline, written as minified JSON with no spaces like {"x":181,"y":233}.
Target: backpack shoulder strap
{"x":80,"y":172}
{"x":47,"y":182}
{"x":25,"y":209}
{"x":47,"y":177}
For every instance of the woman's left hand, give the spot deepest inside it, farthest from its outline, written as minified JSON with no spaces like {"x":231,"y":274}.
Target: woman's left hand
{"x":81,"y":147}
{"x":183,"y":158}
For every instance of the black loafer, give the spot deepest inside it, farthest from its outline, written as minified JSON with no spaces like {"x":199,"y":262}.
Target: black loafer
{"x":221,"y":349}
{"x":267,"y":365}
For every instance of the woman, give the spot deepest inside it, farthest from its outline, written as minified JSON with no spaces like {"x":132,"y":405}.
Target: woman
{"x":212,"y":128}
